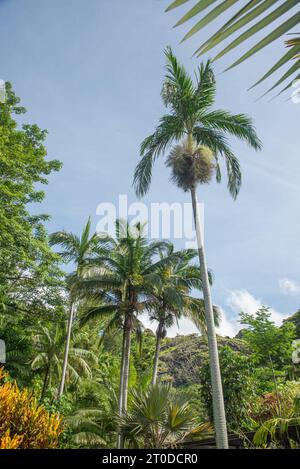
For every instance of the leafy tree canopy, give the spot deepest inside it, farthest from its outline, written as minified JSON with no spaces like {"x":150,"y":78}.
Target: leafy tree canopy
{"x":23,"y":165}
{"x":271,"y":345}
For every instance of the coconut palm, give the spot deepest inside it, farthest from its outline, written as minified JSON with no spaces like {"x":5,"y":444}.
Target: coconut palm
{"x":260,"y":14}
{"x":49,"y":342}
{"x":172,"y":298}
{"x":76,"y":250}
{"x":200,"y":136}
{"x":158,"y":419}
{"x":124,"y":279}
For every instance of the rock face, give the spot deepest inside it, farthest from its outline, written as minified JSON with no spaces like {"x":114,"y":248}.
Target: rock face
{"x":182,"y":356}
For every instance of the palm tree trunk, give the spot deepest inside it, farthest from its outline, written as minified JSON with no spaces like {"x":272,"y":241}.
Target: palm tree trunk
{"x":124,"y":375}
{"x":66,"y":354}
{"x":156,"y":356}
{"x":216,"y":382}
{"x":121,"y":396}
{"x":128,"y":327}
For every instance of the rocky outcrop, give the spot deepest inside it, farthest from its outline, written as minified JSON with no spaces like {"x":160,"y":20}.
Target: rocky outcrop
{"x":182,"y":356}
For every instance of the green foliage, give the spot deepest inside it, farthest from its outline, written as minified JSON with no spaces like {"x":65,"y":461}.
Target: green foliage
{"x":143,"y":358}
{"x":295,"y":319}
{"x":191,"y":394}
{"x":172,"y":295}
{"x":85,"y":431}
{"x":31,"y":284}
{"x":115,"y":280}
{"x":49,"y":341}
{"x":23,"y":164}
{"x":282,"y":412}
{"x":158,"y":419}
{"x":91,"y":423}
{"x":238,"y":386}
{"x":271,"y":345}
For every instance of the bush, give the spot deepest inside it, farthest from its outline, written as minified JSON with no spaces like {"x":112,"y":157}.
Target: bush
{"x":239,"y":388}
{"x":24,"y":423}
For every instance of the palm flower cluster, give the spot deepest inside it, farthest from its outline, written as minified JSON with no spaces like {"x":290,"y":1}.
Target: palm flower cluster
{"x":190,"y":167}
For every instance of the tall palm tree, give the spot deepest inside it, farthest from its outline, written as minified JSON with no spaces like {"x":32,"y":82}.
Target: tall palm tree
{"x":49,"y":341}
{"x":200,"y":134}
{"x":259,"y":15}
{"x":76,"y":250}
{"x":172,"y":298}
{"x":124,"y":279}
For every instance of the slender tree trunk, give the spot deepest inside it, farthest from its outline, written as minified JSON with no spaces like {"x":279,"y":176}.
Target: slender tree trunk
{"x":124,"y":375}
{"x":66,"y":354}
{"x":128,"y":327}
{"x":156,"y":356}
{"x":216,"y":382}
{"x":121,"y":397}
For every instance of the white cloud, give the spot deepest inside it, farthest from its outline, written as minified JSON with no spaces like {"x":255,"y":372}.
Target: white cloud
{"x":229,"y":327}
{"x":289,"y":287}
{"x":243,"y":301}
{"x":237,"y":301}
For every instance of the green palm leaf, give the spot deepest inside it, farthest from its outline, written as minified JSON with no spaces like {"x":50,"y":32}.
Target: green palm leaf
{"x":252,"y":12}
{"x":275,"y":34}
{"x":208,"y":18}
{"x":292,"y":53}
{"x":175,"y":4}
{"x":225,"y":32}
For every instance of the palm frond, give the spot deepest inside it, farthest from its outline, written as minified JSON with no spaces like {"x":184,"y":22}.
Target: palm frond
{"x":218,"y":143}
{"x":169,"y":129}
{"x":205,"y":91}
{"x":260,"y":14}
{"x":103,"y":311}
{"x":239,"y":125}
{"x":179,"y":78}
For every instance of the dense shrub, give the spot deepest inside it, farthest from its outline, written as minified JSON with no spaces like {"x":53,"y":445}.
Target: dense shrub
{"x":24,"y":423}
{"x":239,"y":388}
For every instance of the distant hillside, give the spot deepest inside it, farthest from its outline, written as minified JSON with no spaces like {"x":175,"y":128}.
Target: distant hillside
{"x":182,"y":356}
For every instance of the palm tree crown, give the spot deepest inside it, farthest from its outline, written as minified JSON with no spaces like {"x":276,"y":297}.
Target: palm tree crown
{"x":172,"y":298}
{"x":50,"y":343}
{"x":78,"y":250}
{"x":192,"y":122}
{"x":122,"y":281}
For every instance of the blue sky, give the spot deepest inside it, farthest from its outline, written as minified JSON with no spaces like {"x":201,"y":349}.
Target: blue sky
{"x":91,"y":71}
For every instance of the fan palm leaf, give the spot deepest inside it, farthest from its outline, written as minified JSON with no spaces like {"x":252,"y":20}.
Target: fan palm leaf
{"x":158,"y":419}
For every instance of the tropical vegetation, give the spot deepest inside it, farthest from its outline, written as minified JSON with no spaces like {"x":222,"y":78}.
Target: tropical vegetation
{"x":198,"y":135}
{"x":80,"y":369}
